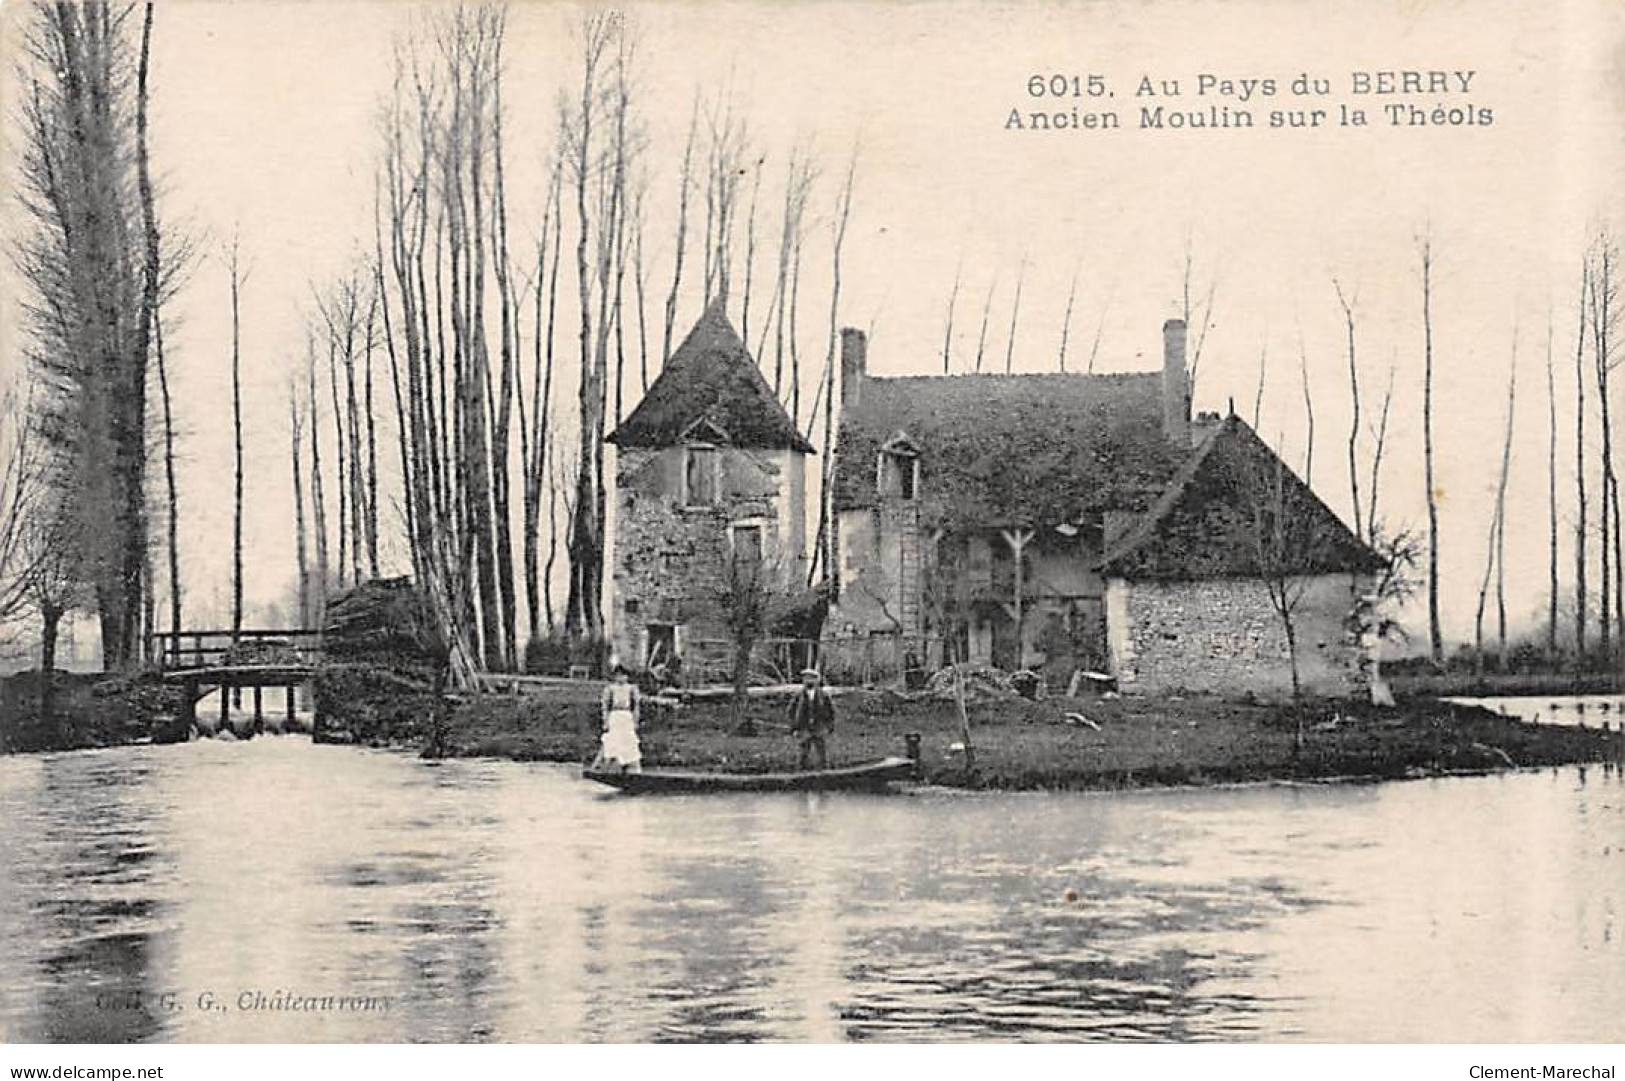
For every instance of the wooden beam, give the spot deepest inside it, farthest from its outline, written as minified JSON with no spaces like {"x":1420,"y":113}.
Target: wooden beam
{"x":1017,"y":540}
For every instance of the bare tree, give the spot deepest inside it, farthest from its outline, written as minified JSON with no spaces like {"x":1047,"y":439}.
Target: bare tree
{"x":1501,"y":506}
{"x":535,"y":431}
{"x":1435,"y":631}
{"x":237,"y":277}
{"x":1066,"y":319}
{"x":1551,"y":496}
{"x":1495,"y":550}
{"x":1258,"y":395}
{"x":981,"y":337}
{"x":1286,"y":541}
{"x":756,"y":170}
{"x":1100,"y":330}
{"x":948,"y":322}
{"x":1581,"y":518}
{"x":751,"y":597}
{"x":296,"y":438}
{"x":84,"y":260}
{"x":685,"y":183}
{"x":1197,"y":310}
{"x":1602,"y":315}
{"x":1347,"y":304}
{"x":172,"y":546}
{"x":826,"y":487}
{"x":1015,"y":314}
{"x":1379,"y":440}
{"x":1309,"y":415}
{"x":152,"y":288}
{"x":604,"y":39}
{"x":318,"y":503}
{"x":727,"y":149}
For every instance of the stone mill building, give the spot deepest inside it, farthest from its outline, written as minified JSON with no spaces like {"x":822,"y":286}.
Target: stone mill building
{"x":1064,"y":521}
{"x":1057,"y":522}
{"x":710,"y":470}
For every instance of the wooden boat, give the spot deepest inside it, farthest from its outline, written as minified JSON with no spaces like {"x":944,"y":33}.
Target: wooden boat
{"x":868,"y":776}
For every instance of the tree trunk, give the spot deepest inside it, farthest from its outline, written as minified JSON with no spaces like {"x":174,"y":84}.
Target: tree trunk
{"x":1015,"y":315}
{"x":318,"y":503}
{"x":51,"y":620}
{"x":1354,"y":414}
{"x":1501,"y":510}
{"x":237,"y":451}
{"x":1435,"y":630}
{"x":1066,"y":321}
{"x":1292,"y":657}
{"x":173,"y":545}
{"x":295,"y":429}
{"x":1580,"y":515}
{"x":1551,"y":497}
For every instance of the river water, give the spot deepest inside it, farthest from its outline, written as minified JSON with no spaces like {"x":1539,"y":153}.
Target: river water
{"x":183,"y":892}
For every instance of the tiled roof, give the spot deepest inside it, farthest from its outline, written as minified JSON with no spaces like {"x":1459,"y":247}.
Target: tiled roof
{"x":1000,"y":450}
{"x":1206,"y":524}
{"x":710,"y":382}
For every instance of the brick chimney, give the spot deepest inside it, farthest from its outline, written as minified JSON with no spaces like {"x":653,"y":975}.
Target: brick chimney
{"x":1176,"y":399}
{"x":854,"y":364}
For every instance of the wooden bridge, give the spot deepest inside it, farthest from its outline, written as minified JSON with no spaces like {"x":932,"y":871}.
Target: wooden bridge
{"x":202,"y":660}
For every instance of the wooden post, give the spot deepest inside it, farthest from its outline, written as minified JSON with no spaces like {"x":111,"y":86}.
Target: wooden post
{"x":225,"y":706}
{"x":287,"y":701}
{"x":1017,"y":540}
{"x":259,"y":711}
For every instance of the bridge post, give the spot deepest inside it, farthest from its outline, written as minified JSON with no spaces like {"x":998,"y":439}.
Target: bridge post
{"x":287,"y":696}
{"x":225,"y":706}
{"x":259,"y":712}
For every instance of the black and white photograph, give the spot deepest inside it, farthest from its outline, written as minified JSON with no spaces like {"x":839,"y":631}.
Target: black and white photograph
{"x":827,"y":522}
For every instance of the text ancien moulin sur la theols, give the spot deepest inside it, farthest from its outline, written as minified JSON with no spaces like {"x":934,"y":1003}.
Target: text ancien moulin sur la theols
{"x":1367,"y":99}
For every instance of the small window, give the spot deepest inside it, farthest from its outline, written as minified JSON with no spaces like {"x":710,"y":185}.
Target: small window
{"x":700,"y":476}
{"x":747,"y":548}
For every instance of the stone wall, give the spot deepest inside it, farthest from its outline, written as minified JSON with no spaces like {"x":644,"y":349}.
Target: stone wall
{"x":670,"y":560}
{"x":1223,"y":636}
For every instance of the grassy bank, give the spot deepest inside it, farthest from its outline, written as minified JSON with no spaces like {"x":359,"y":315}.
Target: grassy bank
{"x":1023,"y":745}
{"x":1466,"y":684}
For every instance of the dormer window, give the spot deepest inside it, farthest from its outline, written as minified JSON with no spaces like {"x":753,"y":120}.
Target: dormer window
{"x":899,"y":470}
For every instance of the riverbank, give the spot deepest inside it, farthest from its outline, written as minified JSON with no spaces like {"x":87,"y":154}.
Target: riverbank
{"x":88,"y":709}
{"x":1035,"y":745}
{"x":1467,"y":684}
{"x":1057,"y":743}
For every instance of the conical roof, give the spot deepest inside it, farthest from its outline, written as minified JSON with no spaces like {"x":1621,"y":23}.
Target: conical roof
{"x":711,"y":383}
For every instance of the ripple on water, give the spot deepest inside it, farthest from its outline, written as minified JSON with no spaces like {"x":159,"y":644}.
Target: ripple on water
{"x":503,"y":901}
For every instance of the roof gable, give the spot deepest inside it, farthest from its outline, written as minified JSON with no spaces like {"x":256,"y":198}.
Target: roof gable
{"x":710,"y":385}
{"x":1206,"y":524}
{"x":1031,"y":449}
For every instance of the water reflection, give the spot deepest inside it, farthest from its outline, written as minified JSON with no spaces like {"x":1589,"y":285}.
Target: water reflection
{"x":154,"y":893}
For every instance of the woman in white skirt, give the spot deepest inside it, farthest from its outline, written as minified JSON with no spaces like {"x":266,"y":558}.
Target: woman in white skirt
{"x":619,"y":708}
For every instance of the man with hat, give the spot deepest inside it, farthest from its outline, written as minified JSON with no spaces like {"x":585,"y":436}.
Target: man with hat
{"x":812,"y":718}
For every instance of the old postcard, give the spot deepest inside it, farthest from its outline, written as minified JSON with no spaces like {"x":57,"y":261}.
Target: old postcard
{"x":820,"y":522}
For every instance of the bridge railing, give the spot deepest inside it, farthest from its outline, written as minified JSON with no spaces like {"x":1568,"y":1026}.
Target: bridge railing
{"x":210,"y":648}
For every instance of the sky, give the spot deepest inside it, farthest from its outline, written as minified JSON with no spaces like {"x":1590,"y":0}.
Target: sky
{"x":265,"y":127}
